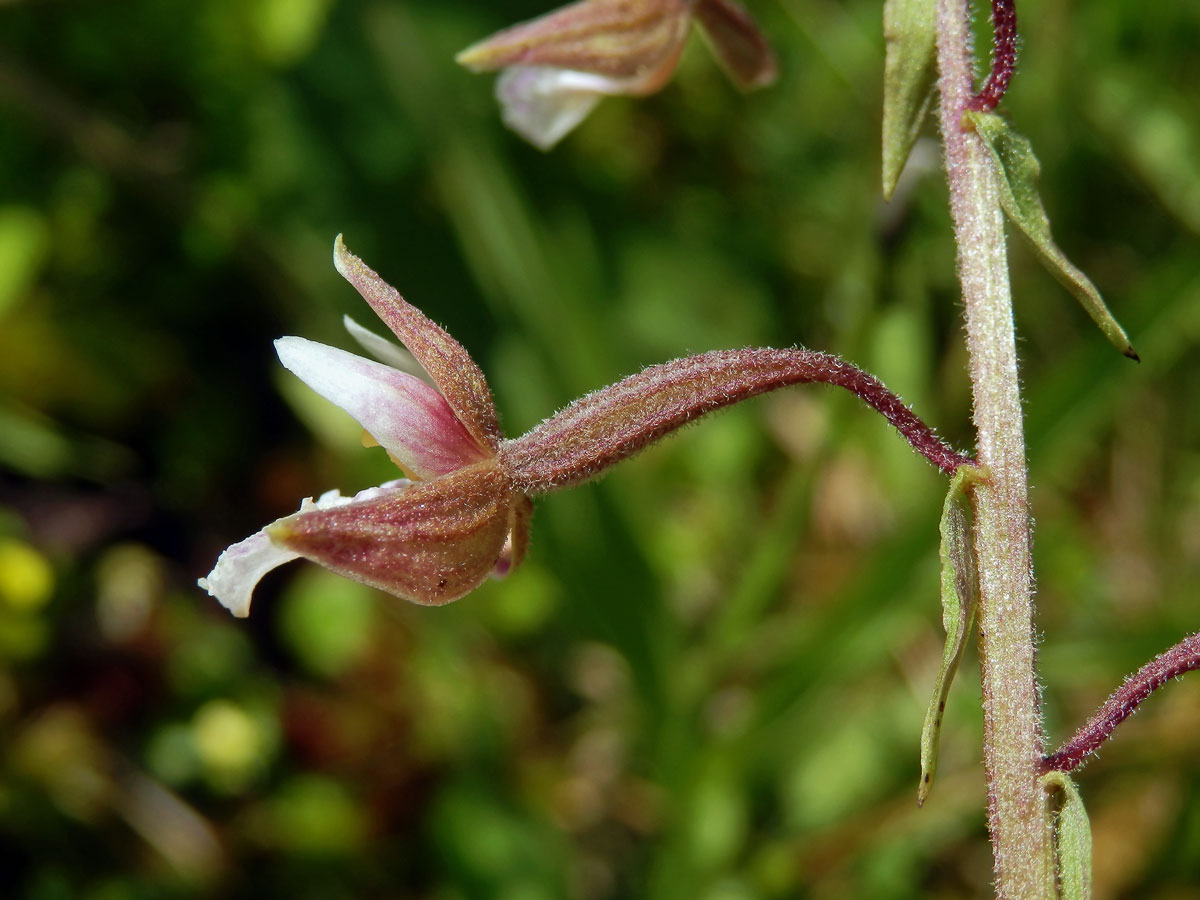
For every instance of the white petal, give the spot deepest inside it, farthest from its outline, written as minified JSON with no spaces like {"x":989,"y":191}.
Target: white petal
{"x":387,"y":352}
{"x":408,"y":417}
{"x":543,"y":104}
{"x":241,"y":566}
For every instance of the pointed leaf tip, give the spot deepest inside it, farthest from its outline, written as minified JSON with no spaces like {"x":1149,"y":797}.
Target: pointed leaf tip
{"x":910,"y":30}
{"x":1019,"y":171}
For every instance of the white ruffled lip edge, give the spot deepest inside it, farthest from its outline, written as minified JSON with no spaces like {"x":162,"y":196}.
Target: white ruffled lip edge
{"x":242,"y":565}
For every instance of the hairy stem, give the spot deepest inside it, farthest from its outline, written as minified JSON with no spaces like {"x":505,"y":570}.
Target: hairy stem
{"x":1180,"y":659}
{"x":611,"y":424}
{"x":1018,"y":817}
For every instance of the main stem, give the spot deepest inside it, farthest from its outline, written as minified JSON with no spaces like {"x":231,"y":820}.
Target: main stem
{"x":1018,"y":816}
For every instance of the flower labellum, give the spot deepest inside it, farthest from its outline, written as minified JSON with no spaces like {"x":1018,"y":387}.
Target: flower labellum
{"x":557,"y":67}
{"x":463,"y":513}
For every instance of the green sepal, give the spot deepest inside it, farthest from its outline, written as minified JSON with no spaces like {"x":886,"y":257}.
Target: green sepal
{"x":960,"y":596}
{"x":1072,"y":838}
{"x":1019,"y":171}
{"x":910,"y":31}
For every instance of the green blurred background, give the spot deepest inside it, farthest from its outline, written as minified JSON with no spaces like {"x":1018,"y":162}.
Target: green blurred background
{"x":709,"y":678}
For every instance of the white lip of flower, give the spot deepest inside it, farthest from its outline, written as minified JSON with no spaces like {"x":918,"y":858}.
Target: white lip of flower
{"x":543,"y":104}
{"x":241,"y":566}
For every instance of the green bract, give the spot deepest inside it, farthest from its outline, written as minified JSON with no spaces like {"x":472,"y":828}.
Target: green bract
{"x":960,"y":595}
{"x":909,"y":28}
{"x":1073,"y":838}
{"x":1019,"y":171}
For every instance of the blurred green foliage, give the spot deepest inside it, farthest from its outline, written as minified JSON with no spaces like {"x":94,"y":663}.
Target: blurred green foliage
{"x":709,"y":678}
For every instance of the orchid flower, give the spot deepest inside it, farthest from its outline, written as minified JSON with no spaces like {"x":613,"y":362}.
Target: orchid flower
{"x":557,"y":67}
{"x":463,"y":510}
{"x":430,"y":537}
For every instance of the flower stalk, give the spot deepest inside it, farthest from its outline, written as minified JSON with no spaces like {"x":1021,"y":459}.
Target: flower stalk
{"x":1184,"y":657}
{"x":1018,"y":813}
{"x":609,"y":425}
{"x":1004,"y":56}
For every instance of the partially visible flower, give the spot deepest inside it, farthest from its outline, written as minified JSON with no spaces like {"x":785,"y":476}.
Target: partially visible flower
{"x":463,"y":512}
{"x":557,"y":67}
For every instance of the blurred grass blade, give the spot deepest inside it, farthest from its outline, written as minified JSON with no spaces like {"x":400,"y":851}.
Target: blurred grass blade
{"x":1019,"y":170}
{"x":1155,"y":132}
{"x":909,"y":28}
{"x":960,"y":594}
{"x":1073,"y":838}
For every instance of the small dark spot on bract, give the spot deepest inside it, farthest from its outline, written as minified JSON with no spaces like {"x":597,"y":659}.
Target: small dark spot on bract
{"x":441,"y":583}
{"x":927,"y":777}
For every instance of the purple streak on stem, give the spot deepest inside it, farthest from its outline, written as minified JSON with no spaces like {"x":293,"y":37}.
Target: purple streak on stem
{"x":611,"y":424}
{"x":1182,"y":658}
{"x":1004,"y":56}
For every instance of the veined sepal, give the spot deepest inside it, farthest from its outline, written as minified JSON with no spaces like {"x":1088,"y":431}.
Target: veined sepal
{"x":431,"y":543}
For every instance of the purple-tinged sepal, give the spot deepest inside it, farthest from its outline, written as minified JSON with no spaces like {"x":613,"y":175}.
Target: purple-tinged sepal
{"x":453,"y":371}
{"x":738,"y":44}
{"x":430,"y":544}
